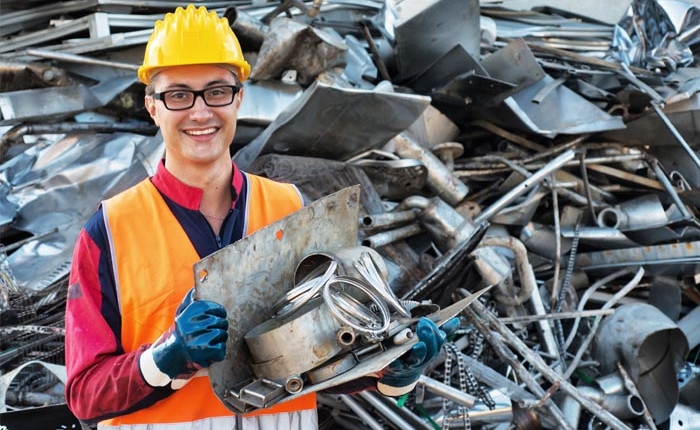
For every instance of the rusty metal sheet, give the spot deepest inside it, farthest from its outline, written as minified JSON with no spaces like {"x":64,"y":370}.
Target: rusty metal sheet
{"x":248,"y":276}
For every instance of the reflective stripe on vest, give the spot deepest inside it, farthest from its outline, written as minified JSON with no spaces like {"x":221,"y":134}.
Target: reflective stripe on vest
{"x":299,"y":420}
{"x":153,"y":260}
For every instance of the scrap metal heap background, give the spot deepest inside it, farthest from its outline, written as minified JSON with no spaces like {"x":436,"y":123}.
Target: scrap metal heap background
{"x":542,"y":152}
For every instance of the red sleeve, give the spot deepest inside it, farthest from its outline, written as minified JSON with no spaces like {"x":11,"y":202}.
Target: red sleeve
{"x":103,"y":381}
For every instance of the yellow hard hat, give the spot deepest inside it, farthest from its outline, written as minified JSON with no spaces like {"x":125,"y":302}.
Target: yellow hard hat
{"x":192,"y":36}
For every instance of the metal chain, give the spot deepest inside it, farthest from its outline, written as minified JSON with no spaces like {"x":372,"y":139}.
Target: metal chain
{"x":561,"y":298}
{"x":452,"y":351}
{"x":478,"y":342}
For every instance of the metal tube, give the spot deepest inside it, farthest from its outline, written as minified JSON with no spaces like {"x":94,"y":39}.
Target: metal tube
{"x":447,"y":391}
{"x":385,"y":410}
{"x":487,"y":323}
{"x":361,"y":412}
{"x":388,"y":219}
{"x":440,"y":178}
{"x":529,"y":284}
{"x":73,"y":58}
{"x":387,"y":237}
{"x":661,"y":176}
{"x":524,"y":186}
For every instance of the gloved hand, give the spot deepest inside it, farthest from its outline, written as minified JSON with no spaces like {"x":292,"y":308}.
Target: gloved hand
{"x":196,"y":339}
{"x":401,"y":376}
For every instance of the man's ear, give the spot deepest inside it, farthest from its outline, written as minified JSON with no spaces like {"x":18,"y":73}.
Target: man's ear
{"x":239,"y":98}
{"x":150,"y":104}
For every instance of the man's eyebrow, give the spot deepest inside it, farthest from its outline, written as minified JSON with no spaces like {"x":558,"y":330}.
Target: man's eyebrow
{"x":181,"y":86}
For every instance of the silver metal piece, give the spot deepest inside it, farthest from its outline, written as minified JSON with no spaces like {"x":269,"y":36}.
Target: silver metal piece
{"x":389,"y":413}
{"x":651,"y":347}
{"x":623,"y":406}
{"x":332,"y":369}
{"x":265,"y":262}
{"x":529,"y":289}
{"x":403,"y":336}
{"x":388,"y":219}
{"x":445,"y":224}
{"x":294,"y":345}
{"x":294,"y":384}
{"x":342,"y":123}
{"x":345,"y":336}
{"x":440,"y":178}
{"x":390,"y":236}
{"x":644,"y":212}
{"x":349,"y":311}
{"x":447,"y":391}
{"x":305,"y":290}
{"x":448,"y":22}
{"x":524,"y":186}
{"x":361,"y":412}
{"x":666,"y":258}
{"x":661,"y":176}
{"x":367,"y":267}
{"x":261,"y":393}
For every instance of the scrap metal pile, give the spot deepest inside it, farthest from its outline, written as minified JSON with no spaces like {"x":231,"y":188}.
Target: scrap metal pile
{"x":542,"y":153}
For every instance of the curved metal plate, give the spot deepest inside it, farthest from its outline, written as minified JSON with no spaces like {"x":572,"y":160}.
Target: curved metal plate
{"x":249,"y":276}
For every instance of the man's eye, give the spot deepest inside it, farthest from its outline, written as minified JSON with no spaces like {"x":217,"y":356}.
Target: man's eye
{"x":178,"y":95}
{"x":217,"y":92}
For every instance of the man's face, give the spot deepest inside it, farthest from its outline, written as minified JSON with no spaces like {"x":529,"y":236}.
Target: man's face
{"x":201,"y":134}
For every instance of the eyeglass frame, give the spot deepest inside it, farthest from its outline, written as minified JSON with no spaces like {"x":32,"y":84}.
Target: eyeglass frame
{"x":200,"y":93}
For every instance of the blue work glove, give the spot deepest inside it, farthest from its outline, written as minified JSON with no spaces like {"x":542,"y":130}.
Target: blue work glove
{"x":401,"y":376}
{"x":195,"y":341}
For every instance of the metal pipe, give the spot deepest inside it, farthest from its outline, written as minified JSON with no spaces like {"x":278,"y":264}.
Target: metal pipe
{"x":385,"y":410}
{"x":73,"y":58}
{"x":488,"y":325}
{"x":529,"y":284}
{"x":388,"y":219}
{"x":391,"y":236}
{"x":524,"y":186}
{"x":361,"y":412}
{"x":446,"y":391}
{"x":440,"y":179}
{"x":622,"y":406}
{"x":479,"y":168}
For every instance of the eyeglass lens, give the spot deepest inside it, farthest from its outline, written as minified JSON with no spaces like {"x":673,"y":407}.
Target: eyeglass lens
{"x":185,"y":99}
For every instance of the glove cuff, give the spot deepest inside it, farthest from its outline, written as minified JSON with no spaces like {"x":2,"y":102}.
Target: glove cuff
{"x":393,"y":390}
{"x":166,"y":362}
{"x":150,"y":371}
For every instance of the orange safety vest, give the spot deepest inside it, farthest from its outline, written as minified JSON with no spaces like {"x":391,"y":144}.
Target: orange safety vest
{"x":153,"y":259}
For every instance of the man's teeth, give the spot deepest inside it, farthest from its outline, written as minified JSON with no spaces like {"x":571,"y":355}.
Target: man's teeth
{"x":201,"y":132}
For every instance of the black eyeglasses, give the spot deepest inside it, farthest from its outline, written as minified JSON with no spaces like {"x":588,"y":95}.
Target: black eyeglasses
{"x":184,"y":99}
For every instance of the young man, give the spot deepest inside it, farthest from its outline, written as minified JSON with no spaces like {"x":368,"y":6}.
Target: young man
{"x":137,"y":345}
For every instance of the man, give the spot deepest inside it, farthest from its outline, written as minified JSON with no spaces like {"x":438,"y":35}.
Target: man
{"x":137,"y":343}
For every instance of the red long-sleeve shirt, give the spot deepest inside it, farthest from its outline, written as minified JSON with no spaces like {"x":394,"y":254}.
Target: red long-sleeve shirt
{"x":103,"y":381}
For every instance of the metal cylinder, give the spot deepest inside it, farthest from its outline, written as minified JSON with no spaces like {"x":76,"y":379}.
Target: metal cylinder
{"x":388,"y":219}
{"x":440,"y":179}
{"x":651,"y":347}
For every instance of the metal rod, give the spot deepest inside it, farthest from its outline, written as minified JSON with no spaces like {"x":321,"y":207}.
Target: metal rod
{"x":388,"y":219}
{"x":556,"y":316}
{"x":390,"y":236}
{"x":361,"y":412}
{"x":73,"y":58}
{"x":488,"y":324}
{"x":385,"y":410}
{"x":525,"y":186}
{"x":447,"y":391}
{"x":661,"y":176}
{"x":481,"y":318}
